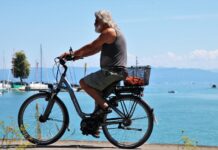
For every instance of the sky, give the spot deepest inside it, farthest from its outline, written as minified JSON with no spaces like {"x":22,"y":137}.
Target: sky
{"x":160,"y":33}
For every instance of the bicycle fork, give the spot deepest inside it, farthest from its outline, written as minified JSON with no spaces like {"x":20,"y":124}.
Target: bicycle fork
{"x":51,"y":101}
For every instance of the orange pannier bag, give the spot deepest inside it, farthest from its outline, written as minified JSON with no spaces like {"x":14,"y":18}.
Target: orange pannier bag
{"x":134,"y":81}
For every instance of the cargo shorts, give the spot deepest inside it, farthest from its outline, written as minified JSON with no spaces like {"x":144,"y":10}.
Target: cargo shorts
{"x":102,"y":79}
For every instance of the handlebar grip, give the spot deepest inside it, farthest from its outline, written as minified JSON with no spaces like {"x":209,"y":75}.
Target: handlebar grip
{"x":62,"y":61}
{"x":69,"y":57}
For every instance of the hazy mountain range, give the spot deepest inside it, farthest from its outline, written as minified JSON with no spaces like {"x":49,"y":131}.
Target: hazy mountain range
{"x":158,"y":75}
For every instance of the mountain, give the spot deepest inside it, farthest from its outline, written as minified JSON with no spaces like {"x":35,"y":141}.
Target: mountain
{"x":183,"y":75}
{"x":158,"y":75}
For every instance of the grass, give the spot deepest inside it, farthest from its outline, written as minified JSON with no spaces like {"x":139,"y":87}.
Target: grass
{"x":186,"y":143}
{"x":10,"y":134}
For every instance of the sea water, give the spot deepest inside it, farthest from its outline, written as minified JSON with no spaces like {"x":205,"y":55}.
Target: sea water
{"x":191,"y":111}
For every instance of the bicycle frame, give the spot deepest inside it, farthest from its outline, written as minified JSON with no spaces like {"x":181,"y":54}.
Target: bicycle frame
{"x":74,"y":99}
{"x":63,"y":81}
{"x":69,"y":89}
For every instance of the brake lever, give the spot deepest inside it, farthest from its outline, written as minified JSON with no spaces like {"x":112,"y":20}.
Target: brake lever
{"x":69,"y":57}
{"x":70,"y":50}
{"x":62,"y":61}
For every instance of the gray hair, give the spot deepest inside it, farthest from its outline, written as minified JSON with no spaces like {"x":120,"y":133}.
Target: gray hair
{"x":105,"y":17}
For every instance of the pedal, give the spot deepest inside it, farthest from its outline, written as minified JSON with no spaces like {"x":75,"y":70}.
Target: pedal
{"x":113,"y":103}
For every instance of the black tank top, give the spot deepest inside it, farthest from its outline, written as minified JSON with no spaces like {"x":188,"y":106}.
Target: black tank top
{"x":114,"y":55}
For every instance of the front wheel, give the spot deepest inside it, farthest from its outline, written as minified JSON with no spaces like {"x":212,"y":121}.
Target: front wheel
{"x":42,"y":132}
{"x":130,"y":124}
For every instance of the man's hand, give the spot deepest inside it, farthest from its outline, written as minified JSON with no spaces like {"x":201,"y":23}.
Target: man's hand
{"x":64,"y":55}
{"x":70,"y":55}
{"x":76,"y":58}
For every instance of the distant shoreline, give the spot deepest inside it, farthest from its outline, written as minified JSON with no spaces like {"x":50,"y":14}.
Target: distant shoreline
{"x":158,"y":75}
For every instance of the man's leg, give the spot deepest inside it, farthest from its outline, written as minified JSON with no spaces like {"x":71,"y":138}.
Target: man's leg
{"x":95,"y":94}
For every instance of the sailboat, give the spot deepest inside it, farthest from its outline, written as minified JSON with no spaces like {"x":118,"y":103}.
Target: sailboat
{"x":18,"y":86}
{"x":4,"y":85}
{"x":35,"y":86}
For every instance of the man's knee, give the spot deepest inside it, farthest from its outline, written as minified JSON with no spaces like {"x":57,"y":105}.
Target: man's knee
{"x":82,"y":84}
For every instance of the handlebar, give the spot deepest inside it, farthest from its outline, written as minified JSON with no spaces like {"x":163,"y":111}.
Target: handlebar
{"x":62,"y":61}
{"x":66,"y":58}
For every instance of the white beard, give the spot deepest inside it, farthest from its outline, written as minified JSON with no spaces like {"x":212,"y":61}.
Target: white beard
{"x":98,"y":28}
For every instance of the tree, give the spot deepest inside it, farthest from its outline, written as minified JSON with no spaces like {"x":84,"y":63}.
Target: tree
{"x":20,"y":66}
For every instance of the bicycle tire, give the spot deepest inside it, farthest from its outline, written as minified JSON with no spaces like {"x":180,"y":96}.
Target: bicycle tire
{"x":110,"y":135}
{"x":23,"y":127}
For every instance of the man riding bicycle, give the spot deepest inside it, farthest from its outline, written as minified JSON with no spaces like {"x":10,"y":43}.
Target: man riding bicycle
{"x":113,"y":59}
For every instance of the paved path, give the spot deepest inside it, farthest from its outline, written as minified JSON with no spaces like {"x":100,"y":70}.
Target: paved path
{"x":84,"y":145}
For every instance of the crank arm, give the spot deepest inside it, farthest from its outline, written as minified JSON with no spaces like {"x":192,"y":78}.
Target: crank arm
{"x":128,"y":128}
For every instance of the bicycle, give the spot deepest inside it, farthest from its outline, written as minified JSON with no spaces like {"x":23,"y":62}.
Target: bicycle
{"x":43,"y":117}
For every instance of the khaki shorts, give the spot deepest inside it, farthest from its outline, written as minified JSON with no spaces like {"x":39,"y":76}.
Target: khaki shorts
{"x":102,"y":79}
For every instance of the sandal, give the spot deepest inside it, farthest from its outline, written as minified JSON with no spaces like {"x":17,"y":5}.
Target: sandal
{"x":96,"y":134}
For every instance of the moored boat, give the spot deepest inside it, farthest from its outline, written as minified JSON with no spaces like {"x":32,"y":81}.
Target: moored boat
{"x":171,"y":91}
{"x":19,"y":86}
{"x":213,"y":86}
{"x":5,"y":85}
{"x":35,"y":86}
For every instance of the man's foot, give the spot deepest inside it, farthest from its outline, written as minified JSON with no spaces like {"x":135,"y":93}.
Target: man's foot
{"x":100,"y":112}
{"x":96,"y":134}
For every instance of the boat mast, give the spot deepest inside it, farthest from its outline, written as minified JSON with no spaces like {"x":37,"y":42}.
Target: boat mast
{"x":85,"y":69}
{"x":136,"y":62}
{"x":36,"y":75}
{"x":41,"y":61}
{"x":4,"y":68}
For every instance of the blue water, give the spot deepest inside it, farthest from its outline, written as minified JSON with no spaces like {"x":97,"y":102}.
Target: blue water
{"x":192,"y":109}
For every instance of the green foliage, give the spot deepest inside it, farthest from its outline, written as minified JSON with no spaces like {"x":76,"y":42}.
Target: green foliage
{"x":10,"y":134}
{"x":187,"y":143}
{"x":20,"y":66}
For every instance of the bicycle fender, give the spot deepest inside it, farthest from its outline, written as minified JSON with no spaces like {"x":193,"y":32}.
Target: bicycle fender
{"x":151,"y":110}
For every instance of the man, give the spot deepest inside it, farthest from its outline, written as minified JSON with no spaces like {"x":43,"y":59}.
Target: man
{"x":112,"y":46}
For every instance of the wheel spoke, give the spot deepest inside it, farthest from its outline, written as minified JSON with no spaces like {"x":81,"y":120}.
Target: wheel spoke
{"x":139,"y":118}
{"x":132,"y":110}
{"x":124,"y":108}
{"x":119,"y":112}
{"x":57,"y":120}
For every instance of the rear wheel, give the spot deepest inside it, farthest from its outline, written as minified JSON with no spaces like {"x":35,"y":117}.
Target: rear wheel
{"x":132,"y":125}
{"x":33,"y":128}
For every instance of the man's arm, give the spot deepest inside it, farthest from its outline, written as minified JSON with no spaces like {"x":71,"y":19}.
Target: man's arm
{"x":107,"y":36}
